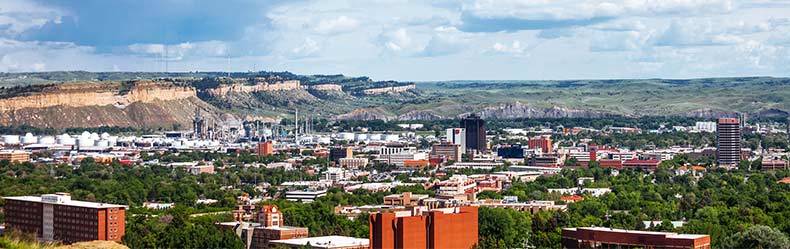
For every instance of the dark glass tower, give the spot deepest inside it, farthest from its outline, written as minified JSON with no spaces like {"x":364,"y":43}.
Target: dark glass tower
{"x":475,"y":132}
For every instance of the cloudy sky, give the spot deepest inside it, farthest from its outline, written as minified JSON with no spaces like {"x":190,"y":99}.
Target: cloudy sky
{"x":403,"y":40}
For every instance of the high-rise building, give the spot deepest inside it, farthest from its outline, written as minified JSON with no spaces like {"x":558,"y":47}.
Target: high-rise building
{"x":475,"y":128}
{"x":602,"y":237}
{"x":418,"y":228}
{"x":728,"y":142}
{"x":457,"y":136}
{"x":56,"y":217}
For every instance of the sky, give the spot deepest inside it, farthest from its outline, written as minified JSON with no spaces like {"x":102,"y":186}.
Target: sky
{"x":403,"y":40}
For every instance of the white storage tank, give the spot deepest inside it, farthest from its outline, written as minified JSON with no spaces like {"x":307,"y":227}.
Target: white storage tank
{"x":47,"y":140}
{"x":391,"y":138}
{"x":346,"y":136}
{"x":66,"y":140}
{"x":11,"y":139}
{"x":103,"y":143}
{"x":29,"y":139}
{"x":86,"y":142}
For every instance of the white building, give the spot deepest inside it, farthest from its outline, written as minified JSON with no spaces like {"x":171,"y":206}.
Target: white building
{"x":457,"y":136}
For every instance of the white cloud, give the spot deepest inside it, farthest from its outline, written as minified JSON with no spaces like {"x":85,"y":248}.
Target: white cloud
{"x":515,"y":48}
{"x":445,"y":41}
{"x":17,"y":16}
{"x":181,"y":50}
{"x":398,"y":41}
{"x":589,"y":9}
{"x":308,"y":48}
{"x":337,"y":25}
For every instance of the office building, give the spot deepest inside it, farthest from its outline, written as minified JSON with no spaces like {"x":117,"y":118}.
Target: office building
{"x":406,"y":199}
{"x":475,"y":128}
{"x":512,"y":151}
{"x":457,"y":136}
{"x":56,"y":217}
{"x":15,"y":156}
{"x":353,"y":163}
{"x":340,"y":152}
{"x":602,"y":237}
{"x":269,"y":226}
{"x":265,"y":148}
{"x":449,"y":151}
{"x":424,"y":228}
{"x":542,"y":143}
{"x":728,"y":142}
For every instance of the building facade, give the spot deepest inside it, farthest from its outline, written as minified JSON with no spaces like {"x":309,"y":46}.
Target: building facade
{"x":728,"y":142}
{"x":265,"y":148}
{"x":438,"y":228}
{"x":55,"y":217}
{"x":475,"y":136}
{"x":601,"y":237}
{"x":457,"y":136}
{"x":449,"y":151}
{"x":543,"y":143}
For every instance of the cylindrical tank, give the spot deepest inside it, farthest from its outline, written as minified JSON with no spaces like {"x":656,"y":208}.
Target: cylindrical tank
{"x":391,"y":138}
{"x":103,"y":143}
{"x":66,"y":140}
{"x":47,"y":140}
{"x":86,"y":142}
{"x":346,"y":136}
{"x":29,"y":139}
{"x":11,"y":139}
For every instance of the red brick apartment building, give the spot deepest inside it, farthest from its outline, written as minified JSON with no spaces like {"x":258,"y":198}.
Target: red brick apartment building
{"x":437,"y":228}
{"x":56,"y":217}
{"x":601,"y":237}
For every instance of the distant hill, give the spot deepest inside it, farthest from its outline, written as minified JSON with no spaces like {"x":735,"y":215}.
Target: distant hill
{"x":92,"y":99}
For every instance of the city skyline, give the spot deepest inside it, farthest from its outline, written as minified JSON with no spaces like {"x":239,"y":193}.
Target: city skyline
{"x":424,"y":41}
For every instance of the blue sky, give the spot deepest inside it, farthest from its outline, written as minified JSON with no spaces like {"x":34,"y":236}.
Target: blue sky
{"x":403,"y":40}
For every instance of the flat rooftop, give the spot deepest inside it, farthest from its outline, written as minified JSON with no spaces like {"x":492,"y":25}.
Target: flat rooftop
{"x":73,"y":203}
{"x":616,"y":230}
{"x":326,"y":242}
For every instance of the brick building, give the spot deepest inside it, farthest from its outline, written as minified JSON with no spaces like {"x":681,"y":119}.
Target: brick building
{"x":602,"y":237}
{"x":265,"y":148}
{"x":541,"y":142}
{"x":55,"y":217}
{"x":420,"y":228}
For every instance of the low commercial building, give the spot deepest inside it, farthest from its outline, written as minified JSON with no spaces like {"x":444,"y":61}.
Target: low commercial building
{"x":602,"y":237}
{"x":324,"y":242}
{"x":15,"y":156}
{"x":56,"y":217}
{"x":774,"y":164}
{"x":353,"y":162}
{"x":424,"y":228}
{"x":269,"y":226}
{"x":304,"y":195}
{"x":649,"y":165}
{"x":265,"y":148}
{"x":447,"y":150}
{"x":406,"y":199}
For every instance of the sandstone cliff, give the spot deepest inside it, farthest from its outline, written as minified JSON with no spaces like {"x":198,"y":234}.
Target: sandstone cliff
{"x":519,"y":110}
{"x":93,"y":104}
